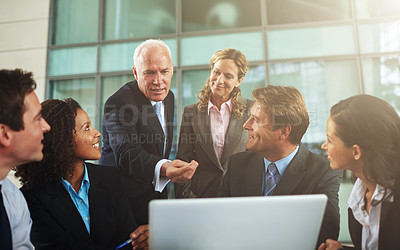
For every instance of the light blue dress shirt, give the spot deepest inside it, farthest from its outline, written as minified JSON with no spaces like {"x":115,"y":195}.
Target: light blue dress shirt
{"x":81,"y":200}
{"x":282,"y":164}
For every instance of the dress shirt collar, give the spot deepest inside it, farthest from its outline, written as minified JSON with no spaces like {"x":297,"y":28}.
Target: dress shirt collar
{"x":227,"y":104}
{"x":282,"y":164}
{"x":84,"y":185}
{"x":356,"y":198}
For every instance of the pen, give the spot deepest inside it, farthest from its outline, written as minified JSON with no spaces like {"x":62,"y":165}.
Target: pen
{"x":124,"y":244}
{"x":129,"y":240}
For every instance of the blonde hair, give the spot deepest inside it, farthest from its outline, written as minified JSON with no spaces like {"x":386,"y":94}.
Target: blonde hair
{"x":205,"y":93}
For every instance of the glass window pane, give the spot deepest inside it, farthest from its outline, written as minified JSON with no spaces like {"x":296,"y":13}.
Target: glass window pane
{"x":198,"y":50}
{"x":382,"y":78}
{"x":81,"y":90}
{"x":310,"y":42}
{"x":377,"y":8}
{"x":289,"y":11}
{"x":211,"y":14}
{"x":322,"y":84}
{"x":380,"y":37}
{"x":72,"y":61}
{"x":119,"y":57}
{"x":136,"y":18}
{"x":194,"y":80}
{"x":75,"y":21}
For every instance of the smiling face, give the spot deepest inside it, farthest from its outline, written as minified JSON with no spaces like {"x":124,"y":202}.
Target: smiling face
{"x":223,"y":78}
{"x":86,"y":138}
{"x":27,"y":143}
{"x":262,"y":139}
{"x":340,"y":156}
{"x":153,"y":72}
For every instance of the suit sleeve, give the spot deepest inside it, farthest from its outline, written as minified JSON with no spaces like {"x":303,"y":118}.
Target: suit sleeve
{"x":186,"y":152}
{"x":121,"y":121}
{"x":329,"y":185}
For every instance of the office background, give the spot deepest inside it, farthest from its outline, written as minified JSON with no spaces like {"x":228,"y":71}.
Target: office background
{"x":328,"y":49}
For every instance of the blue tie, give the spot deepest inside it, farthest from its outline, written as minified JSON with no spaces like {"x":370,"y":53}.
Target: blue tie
{"x":272,"y":177}
{"x":5,"y":230}
{"x":158,"y":112}
{"x":160,"y":119}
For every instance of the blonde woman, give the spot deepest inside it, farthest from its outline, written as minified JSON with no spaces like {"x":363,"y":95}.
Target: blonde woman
{"x":212,"y":129}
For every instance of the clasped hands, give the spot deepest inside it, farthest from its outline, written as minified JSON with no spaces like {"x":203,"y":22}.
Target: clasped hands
{"x":179,"y":171}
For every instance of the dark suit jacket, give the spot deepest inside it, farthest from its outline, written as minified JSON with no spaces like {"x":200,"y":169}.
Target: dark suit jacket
{"x":57,"y":223}
{"x":307,"y":173}
{"x":133,"y":141}
{"x":389,"y":228}
{"x":196,"y":143}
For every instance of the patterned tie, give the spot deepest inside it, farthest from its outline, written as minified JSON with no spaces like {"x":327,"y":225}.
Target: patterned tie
{"x":5,"y":230}
{"x":272,"y":177}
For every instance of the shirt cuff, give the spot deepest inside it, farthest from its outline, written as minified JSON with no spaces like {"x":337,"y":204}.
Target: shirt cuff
{"x":160,"y":182}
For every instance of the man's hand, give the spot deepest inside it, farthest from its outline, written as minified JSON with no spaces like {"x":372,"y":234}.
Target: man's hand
{"x":330,"y":245}
{"x":179,"y":171}
{"x":140,"y":237}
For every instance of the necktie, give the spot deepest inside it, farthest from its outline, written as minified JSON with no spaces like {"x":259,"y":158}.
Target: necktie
{"x":272,"y":177}
{"x":5,"y":230}
{"x":158,"y":112}
{"x":160,"y":118}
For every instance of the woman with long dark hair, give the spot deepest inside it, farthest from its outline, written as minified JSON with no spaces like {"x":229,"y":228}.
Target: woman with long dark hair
{"x":364,"y":137}
{"x":75,"y":204}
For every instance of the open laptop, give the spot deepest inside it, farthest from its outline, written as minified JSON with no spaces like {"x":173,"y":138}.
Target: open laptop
{"x":273,"y":222}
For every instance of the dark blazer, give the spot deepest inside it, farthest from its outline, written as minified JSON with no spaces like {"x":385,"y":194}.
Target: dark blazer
{"x":196,"y":143}
{"x":307,"y":173}
{"x":389,"y":228}
{"x":133,"y":141}
{"x":57,"y":223}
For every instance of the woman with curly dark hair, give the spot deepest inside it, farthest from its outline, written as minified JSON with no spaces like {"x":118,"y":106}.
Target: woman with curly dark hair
{"x":73,"y":204}
{"x":364,"y":137}
{"x":212,"y":129}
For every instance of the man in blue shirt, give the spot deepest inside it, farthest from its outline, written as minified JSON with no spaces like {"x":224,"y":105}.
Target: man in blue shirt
{"x":21,"y":135}
{"x":276,"y":162}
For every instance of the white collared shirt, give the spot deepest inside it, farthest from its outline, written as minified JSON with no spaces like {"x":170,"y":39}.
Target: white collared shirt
{"x":18,"y":215}
{"x":219,"y":121}
{"x":370,"y":222}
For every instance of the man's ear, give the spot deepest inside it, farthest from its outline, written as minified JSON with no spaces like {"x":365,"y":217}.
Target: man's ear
{"x":285,"y":132}
{"x":134,"y":72}
{"x":5,"y":135}
{"x":356,"y":152}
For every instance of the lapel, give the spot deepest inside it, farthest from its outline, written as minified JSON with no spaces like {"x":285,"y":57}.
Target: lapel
{"x":233,"y":136}
{"x":294,"y":173}
{"x":65,"y":211}
{"x":254,"y":175}
{"x":148,"y":116}
{"x":97,"y":199}
{"x":202,"y":130}
{"x":169,"y":107}
{"x":384,"y":212}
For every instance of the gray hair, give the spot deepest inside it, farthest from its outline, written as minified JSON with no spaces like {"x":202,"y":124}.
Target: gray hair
{"x":149,"y":43}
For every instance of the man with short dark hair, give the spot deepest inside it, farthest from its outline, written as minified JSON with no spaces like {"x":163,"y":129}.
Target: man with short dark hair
{"x":138,"y":130}
{"x":277,"y":163}
{"x":21,"y":135}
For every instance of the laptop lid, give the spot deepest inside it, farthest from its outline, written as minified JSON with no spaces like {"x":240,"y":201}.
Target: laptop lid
{"x":273,"y":222}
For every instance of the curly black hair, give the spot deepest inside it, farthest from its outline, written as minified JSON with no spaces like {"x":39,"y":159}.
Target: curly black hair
{"x":58,"y":146}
